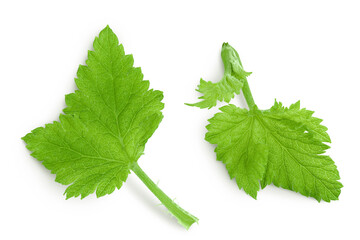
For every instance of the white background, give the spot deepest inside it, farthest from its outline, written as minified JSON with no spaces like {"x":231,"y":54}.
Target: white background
{"x":308,"y":50}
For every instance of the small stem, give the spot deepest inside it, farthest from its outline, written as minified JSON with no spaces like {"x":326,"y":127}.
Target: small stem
{"x":183,"y":217}
{"x":248,"y":96}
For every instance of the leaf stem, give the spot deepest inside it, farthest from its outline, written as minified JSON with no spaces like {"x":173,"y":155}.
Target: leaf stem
{"x":248,"y":96}
{"x":183,"y":217}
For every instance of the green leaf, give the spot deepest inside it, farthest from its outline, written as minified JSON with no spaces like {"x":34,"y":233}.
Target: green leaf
{"x":231,"y":82}
{"x":106,"y":125}
{"x":274,"y":146}
{"x":283,"y":146}
{"x":115,"y":114}
{"x":312,"y":124}
{"x":237,"y":133}
{"x":84,"y":157}
{"x":296,"y":153}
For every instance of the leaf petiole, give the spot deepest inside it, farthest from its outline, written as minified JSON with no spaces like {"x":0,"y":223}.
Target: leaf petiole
{"x":248,"y":96}
{"x":183,"y":217}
